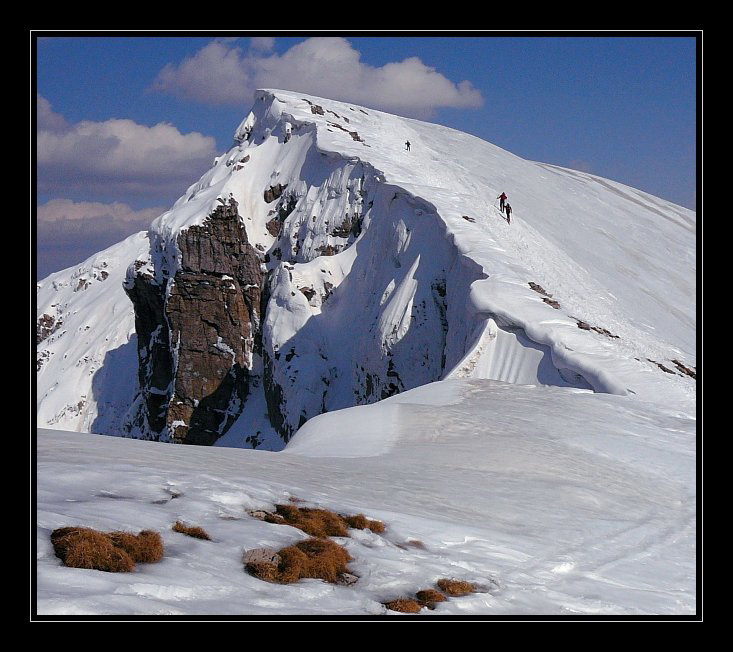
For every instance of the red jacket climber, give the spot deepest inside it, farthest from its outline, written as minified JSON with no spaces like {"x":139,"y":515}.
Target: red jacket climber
{"x":502,"y":197}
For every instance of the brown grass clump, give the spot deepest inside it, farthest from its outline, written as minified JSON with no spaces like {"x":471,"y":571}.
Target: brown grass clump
{"x":313,"y":521}
{"x":265,"y":572}
{"x":361,"y":522}
{"x":322,"y":522}
{"x":314,"y":558}
{"x":80,"y":547}
{"x":146,"y":547}
{"x":456,"y":588}
{"x":429,"y":597}
{"x":191,"y":530}
{"x":404,"y":605}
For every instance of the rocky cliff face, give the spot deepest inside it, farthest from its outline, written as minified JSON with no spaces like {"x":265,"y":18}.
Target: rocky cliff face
{"x":197,"y":331}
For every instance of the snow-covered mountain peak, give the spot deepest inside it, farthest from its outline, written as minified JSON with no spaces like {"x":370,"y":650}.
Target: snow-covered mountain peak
{"x":387,"y":268}
{"x":514,"y":401}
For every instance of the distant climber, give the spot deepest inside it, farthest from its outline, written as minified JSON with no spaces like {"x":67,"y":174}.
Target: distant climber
{"x":407,"y":145}
{"x":508,"y":210}
{"x":502,"y":198}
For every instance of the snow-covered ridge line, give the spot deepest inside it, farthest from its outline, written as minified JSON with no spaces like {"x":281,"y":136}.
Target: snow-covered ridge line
{"x":389,"y":269}
{"x":579,"y":364}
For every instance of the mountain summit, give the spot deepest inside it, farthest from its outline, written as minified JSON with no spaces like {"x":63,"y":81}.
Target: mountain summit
{"x":322,"y":264}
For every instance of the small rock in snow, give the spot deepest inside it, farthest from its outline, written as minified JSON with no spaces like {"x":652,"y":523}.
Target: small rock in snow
{"x":261,"y":556}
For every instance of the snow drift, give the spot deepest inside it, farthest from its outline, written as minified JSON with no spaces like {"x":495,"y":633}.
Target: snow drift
{"x":554,"y":501}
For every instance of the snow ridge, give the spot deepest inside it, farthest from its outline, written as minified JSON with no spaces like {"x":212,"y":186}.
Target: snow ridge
{"x":349,"y":223}
{"x":516,"y":403}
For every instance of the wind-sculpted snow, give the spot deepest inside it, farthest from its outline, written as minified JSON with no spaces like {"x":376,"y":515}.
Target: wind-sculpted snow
{"x":387,"y":269}
{"x":554,"y":501}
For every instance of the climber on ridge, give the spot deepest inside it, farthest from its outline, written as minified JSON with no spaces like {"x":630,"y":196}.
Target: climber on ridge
{"x":407,"y":145}
{"x":502,"y":198}
{"x":508,"y":209}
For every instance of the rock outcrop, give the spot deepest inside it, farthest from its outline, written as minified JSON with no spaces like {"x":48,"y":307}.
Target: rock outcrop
{"x":198,"y":331}
{"x":46,"y":325}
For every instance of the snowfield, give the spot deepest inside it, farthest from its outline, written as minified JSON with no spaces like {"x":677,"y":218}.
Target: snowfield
{"x":542,"y":445}
{"x":554,"y":501}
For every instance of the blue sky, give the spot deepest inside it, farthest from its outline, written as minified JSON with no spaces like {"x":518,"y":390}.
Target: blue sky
{"x":126,"y":124}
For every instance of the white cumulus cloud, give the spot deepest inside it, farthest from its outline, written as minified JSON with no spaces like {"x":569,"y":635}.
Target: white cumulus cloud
{"x":262,"y":43}
{"x":48,"y":119}
{"x":224,"y":73}
{"x":67,"y":232}
{"x":117,"y":155}
{"x":57,"y":210}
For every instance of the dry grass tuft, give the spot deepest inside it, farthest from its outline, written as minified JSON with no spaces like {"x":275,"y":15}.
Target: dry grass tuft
{"x":265,"y":572}
{"x":146,"y":547}
{"x":313,"y":521}
{"x":404,"y":605}
{"x":361,"y":522}
{"x":80,"y":547}
{"x":191,"y":530}
{"x":113,"y":552}
{"x":429,"y":597}
{"x":313,"y":558}
{"x":456,"y":588}
{"x":322,"y":522}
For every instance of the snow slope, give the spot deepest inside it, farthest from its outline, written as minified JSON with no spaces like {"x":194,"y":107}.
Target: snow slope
{"x":554,"y":501}
{"x":439,"y":280}
{"x":87,"y":368}
{"x":553,"y":465}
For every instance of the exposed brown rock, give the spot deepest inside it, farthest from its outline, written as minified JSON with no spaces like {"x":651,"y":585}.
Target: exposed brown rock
{"x":354,"y":135}
{"x":603,"y":331}
{"x":346,"y":579}
{"x":539,"y":289}
{"x":45,"y":326}
{"x":261,"y":556}
{"x":274,"y":227}
{"x":688,"y":371}
{"x":309,"y":293}
{"x":328,"y":250}
{"x":208,"y":315}
{"x":83,"y":284}
{"x":661,"y":366}
{"x":274,"y":192}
